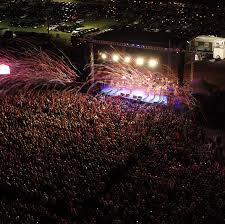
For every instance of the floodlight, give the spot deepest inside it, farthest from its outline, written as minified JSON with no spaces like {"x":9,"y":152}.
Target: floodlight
{"x":4,"y":69}
{"x":139,"y":61}
{"x":104,"y":56}
{"x":153,"y":63}
{"x":115,"y":57}
{"x":127,"y":59}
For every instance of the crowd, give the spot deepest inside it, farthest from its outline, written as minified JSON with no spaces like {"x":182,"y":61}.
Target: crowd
{"x":74,"y":158}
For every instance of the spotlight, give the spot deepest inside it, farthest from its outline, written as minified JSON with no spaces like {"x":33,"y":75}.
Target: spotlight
{"x":115,"y":57}
{"x":4,"y":69}
{"x":153,"y":63}
{"x":104,"y":56}
{"x":127,"y":59}
{"x":139,"y":61}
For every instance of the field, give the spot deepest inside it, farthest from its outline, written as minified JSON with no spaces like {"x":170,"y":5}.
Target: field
{"x":100,"y":23}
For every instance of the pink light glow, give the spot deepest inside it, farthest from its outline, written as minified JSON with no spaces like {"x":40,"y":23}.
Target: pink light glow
{"x":135,"y":94}
{"x":4,"y":69}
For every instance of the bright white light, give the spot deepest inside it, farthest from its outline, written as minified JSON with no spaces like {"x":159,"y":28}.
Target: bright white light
{"x":104,"y":56}
{"x":139,"y":93}
{"x":115,"y":57}
{"x":4,"y":69}
{"x":139,"y":61}
{"x":127,"y":59}
{"x":153,"y":63}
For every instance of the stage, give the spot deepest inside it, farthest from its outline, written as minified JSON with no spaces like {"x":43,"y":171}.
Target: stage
{"x":135,"y":94}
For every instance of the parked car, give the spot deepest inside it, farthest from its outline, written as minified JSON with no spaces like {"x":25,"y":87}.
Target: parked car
{"x":53,"y":27}
{"x":6,"y":33}
{"x":74,"y":32}
{"x":3,"y":31}
{"x":79,"y":21}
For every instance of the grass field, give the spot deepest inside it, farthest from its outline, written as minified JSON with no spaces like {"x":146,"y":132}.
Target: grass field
{"x":100,"y":23}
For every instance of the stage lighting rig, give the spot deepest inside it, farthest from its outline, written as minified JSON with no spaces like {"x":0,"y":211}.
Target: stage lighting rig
{"x":140,"y":61}
{"x":127,"y":59}
{"x":115,"y":57}
{"x":153,"y":63}
{"x":104,"y":56}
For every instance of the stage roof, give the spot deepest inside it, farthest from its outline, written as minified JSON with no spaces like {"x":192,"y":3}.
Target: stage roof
{"x":131,"y":36}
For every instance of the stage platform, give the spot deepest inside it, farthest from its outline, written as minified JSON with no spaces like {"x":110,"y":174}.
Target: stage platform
{"x":138,"y":95}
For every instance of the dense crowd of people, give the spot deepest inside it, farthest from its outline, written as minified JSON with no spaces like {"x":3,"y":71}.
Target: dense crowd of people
{"x":74,"y":158}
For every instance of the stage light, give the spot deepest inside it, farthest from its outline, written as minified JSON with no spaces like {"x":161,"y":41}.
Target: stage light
{"x":153,"y":63}
{"x":139,"y":61}
{"x":4,"y":69}
{"x":115,"y":57}
{"x":104,"y":56}
{"x":127,"y":59}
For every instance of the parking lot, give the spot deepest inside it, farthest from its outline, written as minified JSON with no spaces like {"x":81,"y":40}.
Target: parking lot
{"x":61,"y":17}
{"x":182,"y":19}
